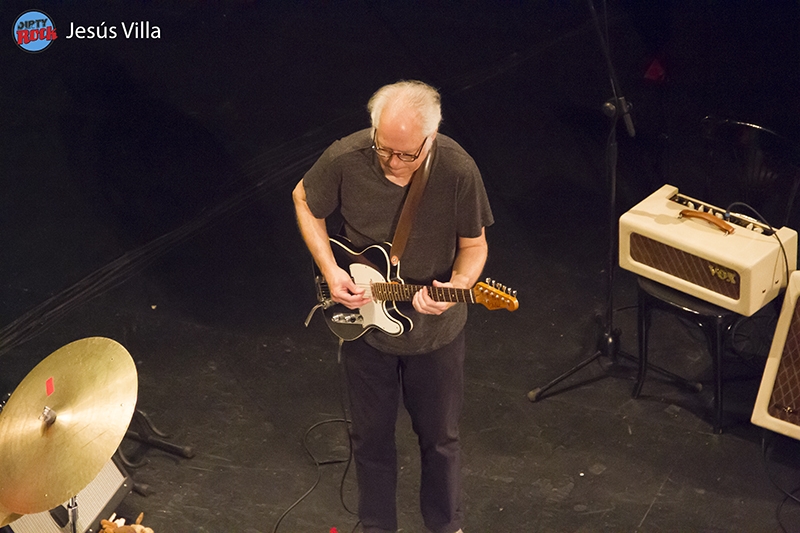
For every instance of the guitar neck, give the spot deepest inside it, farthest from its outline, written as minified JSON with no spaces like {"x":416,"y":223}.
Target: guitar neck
{"x":401,"y":292}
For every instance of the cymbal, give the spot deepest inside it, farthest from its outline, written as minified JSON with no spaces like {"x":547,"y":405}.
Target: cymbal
{"x":64,"y":422}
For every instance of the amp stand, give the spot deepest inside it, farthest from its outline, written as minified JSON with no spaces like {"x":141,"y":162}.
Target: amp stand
{"x":609,"y":345}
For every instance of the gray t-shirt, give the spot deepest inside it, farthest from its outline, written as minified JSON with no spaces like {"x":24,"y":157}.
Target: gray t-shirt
{"x":348,"y":181}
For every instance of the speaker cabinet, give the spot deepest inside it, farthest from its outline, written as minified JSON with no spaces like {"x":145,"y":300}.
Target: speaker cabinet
{"x":777,"y":406}
{"x":95,"y":502}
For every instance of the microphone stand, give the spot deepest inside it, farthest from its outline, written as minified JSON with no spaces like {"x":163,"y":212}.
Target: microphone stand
{"x":615,"y":108}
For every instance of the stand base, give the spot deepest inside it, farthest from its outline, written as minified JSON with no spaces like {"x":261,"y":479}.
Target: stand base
{"x":609,"y":347}
{"x":149,"y":436}
{"x":536,"y":394}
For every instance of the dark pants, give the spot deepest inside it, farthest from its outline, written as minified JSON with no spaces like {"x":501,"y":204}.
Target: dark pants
{"x":432,"y":387}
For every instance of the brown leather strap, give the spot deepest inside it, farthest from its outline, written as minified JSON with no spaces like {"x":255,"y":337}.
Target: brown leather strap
{"x":417,"y":187}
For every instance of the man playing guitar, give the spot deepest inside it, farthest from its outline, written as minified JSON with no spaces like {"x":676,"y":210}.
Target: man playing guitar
{"x":364,"y":179}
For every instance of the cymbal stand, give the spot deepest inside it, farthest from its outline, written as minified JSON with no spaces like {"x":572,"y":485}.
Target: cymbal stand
{"x":65,"y":515}
{"x":72,"y":510}
{"x":608,"y":345}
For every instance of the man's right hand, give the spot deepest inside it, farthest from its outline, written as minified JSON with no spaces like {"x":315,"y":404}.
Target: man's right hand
{"x":344,"y":291}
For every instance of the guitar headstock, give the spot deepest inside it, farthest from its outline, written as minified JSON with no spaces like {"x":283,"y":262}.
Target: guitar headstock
{"x":493,"y":296}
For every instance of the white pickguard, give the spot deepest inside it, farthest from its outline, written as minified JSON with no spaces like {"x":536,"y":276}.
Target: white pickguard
{"x":374,"y":313}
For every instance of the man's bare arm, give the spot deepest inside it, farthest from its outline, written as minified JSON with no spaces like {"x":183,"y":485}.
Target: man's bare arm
{"x":315,"y":235}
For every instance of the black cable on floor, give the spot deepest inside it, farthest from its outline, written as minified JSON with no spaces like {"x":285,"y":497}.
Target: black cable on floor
{"x":320,"y":464}
{"x":317,"y":463}
{"x":343,"y":390}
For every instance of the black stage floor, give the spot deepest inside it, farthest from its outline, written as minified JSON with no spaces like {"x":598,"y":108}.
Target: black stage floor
{"x":146,"y":198}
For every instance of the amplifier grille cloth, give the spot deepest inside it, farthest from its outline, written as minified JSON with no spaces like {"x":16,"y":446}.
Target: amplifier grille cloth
{"x":682,"y":265}
{"x":785,"y":400}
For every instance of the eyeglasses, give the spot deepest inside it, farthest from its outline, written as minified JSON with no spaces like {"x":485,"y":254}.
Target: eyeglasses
{"x":387,"y":154}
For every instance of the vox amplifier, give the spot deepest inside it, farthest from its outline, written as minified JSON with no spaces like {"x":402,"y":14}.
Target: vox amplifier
{"x":777,"y":405}
{"x":728,"y":259}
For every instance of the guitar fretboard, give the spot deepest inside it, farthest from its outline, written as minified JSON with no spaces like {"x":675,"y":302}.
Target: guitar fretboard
{"x":401,"y":292}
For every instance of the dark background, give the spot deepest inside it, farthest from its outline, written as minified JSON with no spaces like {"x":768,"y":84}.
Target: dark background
{"x":146,"y":197}
{"x":143,"y":135}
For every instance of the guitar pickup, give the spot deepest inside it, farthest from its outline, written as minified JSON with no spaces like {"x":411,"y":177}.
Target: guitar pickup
{"x":347,"y":318}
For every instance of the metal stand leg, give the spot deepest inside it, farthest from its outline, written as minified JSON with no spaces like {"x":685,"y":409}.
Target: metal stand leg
{"x":72,"y":511}
{"x":716,"y":365}
{"x":644,"y":330}
{"x":616,"y":108}
{"x":611,"y":350}
{"x":536,"y":393}
{"x":151,"y":437}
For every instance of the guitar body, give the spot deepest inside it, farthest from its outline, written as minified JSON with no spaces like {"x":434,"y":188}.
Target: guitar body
{"x":372,"y":269}
{"x":370,"y":265}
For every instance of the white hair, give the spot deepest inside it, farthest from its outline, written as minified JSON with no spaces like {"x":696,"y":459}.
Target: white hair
{"x":412,"y":95}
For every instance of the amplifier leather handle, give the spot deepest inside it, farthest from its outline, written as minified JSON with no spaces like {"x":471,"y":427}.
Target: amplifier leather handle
{"x":708,"y":217}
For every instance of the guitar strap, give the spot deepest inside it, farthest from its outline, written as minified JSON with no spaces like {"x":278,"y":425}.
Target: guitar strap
{"x":417,"y":187}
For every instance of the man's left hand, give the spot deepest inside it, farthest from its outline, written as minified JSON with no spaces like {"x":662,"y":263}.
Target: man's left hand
{"x":426,"y":305}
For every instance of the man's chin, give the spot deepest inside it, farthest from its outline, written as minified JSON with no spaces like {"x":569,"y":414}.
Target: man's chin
{"x":398,"y":176}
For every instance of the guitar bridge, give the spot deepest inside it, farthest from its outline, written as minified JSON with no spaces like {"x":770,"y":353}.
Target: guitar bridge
{"x":347,"y":318}
{"x":323,"y":292}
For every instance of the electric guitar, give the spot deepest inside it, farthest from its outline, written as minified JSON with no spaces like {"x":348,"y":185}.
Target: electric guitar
{"x":372,"y":269}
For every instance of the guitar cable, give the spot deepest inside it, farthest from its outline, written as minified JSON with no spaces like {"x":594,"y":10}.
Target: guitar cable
{"x":319,"y":464}
{"x":763,"y":220}
{"x":727,"y":216}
